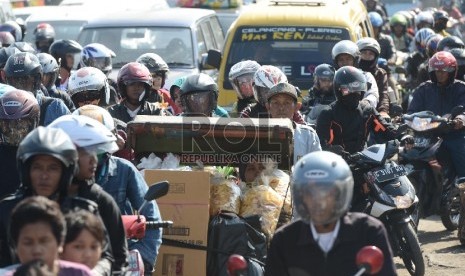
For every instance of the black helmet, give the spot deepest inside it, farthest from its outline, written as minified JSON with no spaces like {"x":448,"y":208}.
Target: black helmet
{"x":13,"y":28}
{"x":349,"y":79}
{"x":323,"y":71}
{"x":61,"y":47}
{"x":5,"y":53}
{"x":19,"y":115}
{"x":450,"y":42}
{"x":155,"y":64}
{"x":194,"y":87}
{"x":44,"y":35}
{"x":47,"y":141}
{"x":459,"y":55}
{"x":23,"y":47}
{"x":345,"y":47}
{"x":21,"y":67}
{"x":326,"y":180}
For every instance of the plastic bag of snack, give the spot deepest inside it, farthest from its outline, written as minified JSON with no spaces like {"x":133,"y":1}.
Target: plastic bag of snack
{"x":170,"y":162}
{"x":224,"y":195}
{"x":150,"y":162}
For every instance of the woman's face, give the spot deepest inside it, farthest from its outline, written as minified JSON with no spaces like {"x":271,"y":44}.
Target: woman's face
{"x":45,"y":173}
{"x":252,"y":171}
{"x":87,"y":164}
{"x":85,"y":249}
{"x":134,"y":91}
{"x":37,"y":242}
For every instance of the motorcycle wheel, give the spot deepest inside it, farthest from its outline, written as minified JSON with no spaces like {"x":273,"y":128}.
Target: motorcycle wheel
{"x":450,"y":209}
{"x":410,"y":250}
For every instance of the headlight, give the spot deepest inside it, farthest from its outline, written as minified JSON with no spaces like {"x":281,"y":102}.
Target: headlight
{"x":403,"y":202}
{"x":422,"y":124}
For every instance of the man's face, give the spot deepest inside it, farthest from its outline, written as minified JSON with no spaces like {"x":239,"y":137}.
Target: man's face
{"x":325,"y":84}
{"x":442,"y":77}
{"x":37,"y":242}
{"x":367,"y":55}
{"x":134,"y":92}
{"x":281,"y":106}
{"x":87,"y":164}
{"x":320,"y":206}
{"x":398,"y":30}
{"x":45,"y":173}
{"x":85,"y":249}
{"x":345,"y":60}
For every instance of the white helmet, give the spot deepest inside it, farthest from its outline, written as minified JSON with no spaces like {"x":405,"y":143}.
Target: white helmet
{"x":243,"y":72}
{"x":424,"y":17}
{"x":89,"y":79}
{"x":97,"y":113}
{"x":97,"y":55}
{"x":87,"y":133}
{"x":266,"y":77}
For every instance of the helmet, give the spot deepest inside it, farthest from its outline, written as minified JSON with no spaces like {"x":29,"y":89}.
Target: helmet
{"x":44,"y":35}
{"x":50,"y":67}
{"x":177,"y":83}
{"x":375,"y":19}
{"x":23,"y":47}
{"x":47,"y":141}
{"x":197,"y":90}
{"x":97,"y":55}
{"x":459,"y":55}
{"x":155,"y":64}
{"x":6,"y":39}
{"x":323,"y":71}
{"x":264,"y":78}
{"x":22,"y":25}
{"x":87,"y":133}
{"x":13,"y":28}
{"x":368,"y":43}
{"x":432,"y":44}
{"x":421,"y":37}
{"x":442,"y":61}
{"x":345,"y":47}
{"x":440,"y":14}
{"x":97,"y":113}
{"x":348,"y":80}
{"x":19,"y":114}
{"x":410,"y":16}
{"x":424,"y":17}
{"x":87,"y":81}
{"x":398,"y":19}
{"x":5,"y":53}
{"x":245,"y":70}
{"x":133,"y":72}
{"x":325,"y":179}
{"x":61,"y":47}
{"x":450,"y":42}
{"x":23,"y":71}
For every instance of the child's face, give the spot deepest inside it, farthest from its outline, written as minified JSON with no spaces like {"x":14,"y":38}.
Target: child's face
{"x":85,"y":249}
{"x":45,"y":173}
{"x":87,"y":164}
{"x":252,"y":171}
{"x":36,"y":241}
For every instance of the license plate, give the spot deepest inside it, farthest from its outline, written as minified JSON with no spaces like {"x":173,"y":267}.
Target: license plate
{"x":389,"y":173}
{"x":421,"y":142}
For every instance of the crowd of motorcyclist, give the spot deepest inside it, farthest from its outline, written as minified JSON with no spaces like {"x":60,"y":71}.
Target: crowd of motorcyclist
{"x":63,"y":132}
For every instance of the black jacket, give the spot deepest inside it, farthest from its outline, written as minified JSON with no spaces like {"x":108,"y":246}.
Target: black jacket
{"x":55,"y":93}
{"x":338,"y":125}
{"x":316,"y":96}
{"x":8,"y":170}
{"x":119,"y":111}
{"x":294,"y":251}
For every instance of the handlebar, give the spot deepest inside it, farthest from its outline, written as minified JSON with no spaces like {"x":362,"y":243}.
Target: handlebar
{"x":158,"y":224}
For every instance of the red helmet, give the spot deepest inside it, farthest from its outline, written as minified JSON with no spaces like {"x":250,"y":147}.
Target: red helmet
{"x":442,"y":61}
{"x":133,"y":72}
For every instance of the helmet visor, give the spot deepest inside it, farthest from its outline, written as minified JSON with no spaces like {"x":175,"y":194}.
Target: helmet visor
{"x":260,"y":94}
{"x":200,"y":103}
{"x":243,"y":85}
{"x":102,"y":63}
{"x":322,"y":203}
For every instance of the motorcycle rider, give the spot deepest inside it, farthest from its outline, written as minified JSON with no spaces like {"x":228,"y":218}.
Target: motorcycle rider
{"x":199,"y":95}
{"x":440,"y":22}
{"x":450,"y":42}
{"x":93,"y":139}
{"x":264,"y":78}
{"x":451,"y":9}
{"x":122,"y":180}
{"x":89,"y":85}
{"x":23,"y":71}
{"x":47,"y":159}
{"x":13,"y":28}
{"x":100,"y":56}
{"x":6,"y":39}
{"x":388,"y":49}
{"x":344,"y":126}
{"x":50,"y":74}
{"x":424,"y":19}
{"x":134,"y":84}
{"x":431,"y":49}
{"x":64,"y":51}
{"x":417,"y":57}
{"x":44,"y":36}
{"x":320,"y":94}
{"x":241,"y":78}
{"x":402,"y":39}
{"x":459,"y":55}
{"x":175,"y":95}
{"x":325,"y":239}
{"x":19,"y":114}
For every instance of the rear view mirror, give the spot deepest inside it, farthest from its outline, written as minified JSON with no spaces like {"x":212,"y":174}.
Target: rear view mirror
{"x":213,"y":58}
{"x":157,"y":190}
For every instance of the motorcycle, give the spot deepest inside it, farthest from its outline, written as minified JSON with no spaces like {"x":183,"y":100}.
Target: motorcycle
{"x":136,"y":225}
{"x":434,"y":183}
{"x":391,"y":199}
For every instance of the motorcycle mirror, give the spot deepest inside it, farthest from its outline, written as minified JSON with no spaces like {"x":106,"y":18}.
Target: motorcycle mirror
{"x":369,"y":259}
{"x":402,"y":128}
{"x":457,"y":110}
{"x":237,"y":265}
{"x":395,"y":110}
{"x":157,"y":190}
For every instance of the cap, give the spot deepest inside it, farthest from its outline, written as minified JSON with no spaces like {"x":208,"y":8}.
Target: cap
{"x":283,"y":88}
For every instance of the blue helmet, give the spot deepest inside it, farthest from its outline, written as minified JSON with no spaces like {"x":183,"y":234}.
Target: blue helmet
{"x":376,"y":19}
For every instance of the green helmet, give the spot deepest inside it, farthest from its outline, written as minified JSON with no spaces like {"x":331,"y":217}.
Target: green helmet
{"x":398,"y":19}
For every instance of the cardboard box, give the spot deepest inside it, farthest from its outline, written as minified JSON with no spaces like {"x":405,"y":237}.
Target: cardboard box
{"x":187,"y":205}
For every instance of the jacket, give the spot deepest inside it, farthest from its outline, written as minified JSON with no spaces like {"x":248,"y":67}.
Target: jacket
{"x":338,"y":125}
{"x":294,"y":251}
{"x":381,"y":78}
{"x":119,"y":111}
{"x":305,"y":141}
{"x":119,"y":178}
{"x":53,"y":92}
{"x":55,"y":108}
{"x":9,"y":174}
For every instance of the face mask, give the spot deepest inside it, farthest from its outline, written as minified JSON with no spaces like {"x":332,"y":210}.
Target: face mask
{"x":351,"y":101}
{"x":366,"y":65}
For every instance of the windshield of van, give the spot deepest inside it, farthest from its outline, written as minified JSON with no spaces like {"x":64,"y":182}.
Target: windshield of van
{"x":174,"y":45}
{"x":295,"y":50}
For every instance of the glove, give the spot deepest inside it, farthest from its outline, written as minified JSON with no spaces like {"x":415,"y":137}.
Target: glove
{"x":339,"y":150}
{"x":407,"y":140}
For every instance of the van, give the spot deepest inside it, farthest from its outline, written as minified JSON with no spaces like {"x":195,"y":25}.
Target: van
{"x":294,"y":35}
{"x":6,"y":11}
